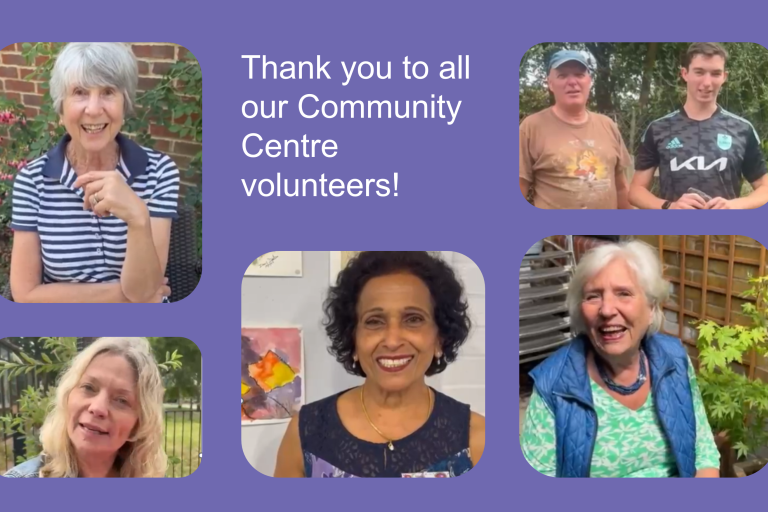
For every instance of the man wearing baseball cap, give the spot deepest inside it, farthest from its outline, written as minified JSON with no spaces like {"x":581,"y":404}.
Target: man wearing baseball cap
{"x":573,"y":158}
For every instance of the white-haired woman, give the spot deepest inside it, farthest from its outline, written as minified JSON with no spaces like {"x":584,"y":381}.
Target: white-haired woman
{"x":107,"y":418}
{"x":621,"y":399}
{"x":92,"y":217}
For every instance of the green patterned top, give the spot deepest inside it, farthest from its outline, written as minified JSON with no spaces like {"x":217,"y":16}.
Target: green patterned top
{"x":629,"y":443}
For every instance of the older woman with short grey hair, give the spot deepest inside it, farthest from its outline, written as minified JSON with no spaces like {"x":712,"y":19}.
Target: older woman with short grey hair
{"x":621,"y":399}
{"x":92,"y":216}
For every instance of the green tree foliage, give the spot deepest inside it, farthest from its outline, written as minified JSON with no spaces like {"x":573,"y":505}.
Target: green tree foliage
{"x":626,"y":73}
{"x":184,"y":383}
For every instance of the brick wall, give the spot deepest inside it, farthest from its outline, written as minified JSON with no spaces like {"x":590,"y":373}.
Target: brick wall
{"x":155,"y":59}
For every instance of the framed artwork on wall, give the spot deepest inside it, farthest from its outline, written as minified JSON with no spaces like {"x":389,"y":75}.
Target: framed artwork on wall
{"x":272,"y":385}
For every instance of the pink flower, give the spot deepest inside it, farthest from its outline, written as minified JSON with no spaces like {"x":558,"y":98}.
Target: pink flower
{"x":7,"y":117}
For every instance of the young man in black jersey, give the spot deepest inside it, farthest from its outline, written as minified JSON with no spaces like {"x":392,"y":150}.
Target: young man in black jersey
{"x":702,"y":151}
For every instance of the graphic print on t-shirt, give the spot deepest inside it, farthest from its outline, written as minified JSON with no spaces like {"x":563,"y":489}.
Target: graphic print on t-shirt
{"x":582,"y":161}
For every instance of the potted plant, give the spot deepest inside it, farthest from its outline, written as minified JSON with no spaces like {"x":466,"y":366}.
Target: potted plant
{"x":737,"y":406}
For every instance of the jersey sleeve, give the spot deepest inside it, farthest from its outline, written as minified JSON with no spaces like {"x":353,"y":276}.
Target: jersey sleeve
{"x":164,"y":199}
{"x":526,"y":166}
{"x":648,"y":154}
{"x":707,"y":455}
{"x":537,"y":440}
{"x":26,"y":201}
{"x":754,"y":160}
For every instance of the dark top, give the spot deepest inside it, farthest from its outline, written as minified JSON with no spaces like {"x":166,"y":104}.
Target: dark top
{"x":439,"y":448}
{"x":710,"y":155}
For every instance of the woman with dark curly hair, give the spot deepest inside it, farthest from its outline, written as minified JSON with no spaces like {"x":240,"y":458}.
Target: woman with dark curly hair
{"x":393,"y":318}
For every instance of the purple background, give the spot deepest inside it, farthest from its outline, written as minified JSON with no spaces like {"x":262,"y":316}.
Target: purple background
{"x":458,"y":190}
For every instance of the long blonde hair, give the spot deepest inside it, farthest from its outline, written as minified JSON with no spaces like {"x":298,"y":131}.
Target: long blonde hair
{"x":142,"y":455}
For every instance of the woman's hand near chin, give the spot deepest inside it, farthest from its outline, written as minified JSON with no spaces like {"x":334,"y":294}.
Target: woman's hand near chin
{"x":146,"y":254}
{"x":107,"y":193}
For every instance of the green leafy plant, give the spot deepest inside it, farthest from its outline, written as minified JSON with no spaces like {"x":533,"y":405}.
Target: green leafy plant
{"x":176,"y":103}
{"x":23,"y":139}
{"x":736,"y":405}
{"x":35,"y":402}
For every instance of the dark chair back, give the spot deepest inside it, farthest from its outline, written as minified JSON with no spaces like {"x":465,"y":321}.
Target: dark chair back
{"x":184,"y":268}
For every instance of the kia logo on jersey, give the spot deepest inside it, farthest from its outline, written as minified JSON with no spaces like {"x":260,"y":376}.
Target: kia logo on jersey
{"x":698,"y":163}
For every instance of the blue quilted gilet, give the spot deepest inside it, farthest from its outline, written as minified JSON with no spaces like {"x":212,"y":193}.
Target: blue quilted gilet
{"x":562,"y":381}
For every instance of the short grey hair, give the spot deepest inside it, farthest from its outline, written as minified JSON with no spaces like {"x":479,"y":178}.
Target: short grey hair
{"x":95,"y":65}
{"x":642,"y":259}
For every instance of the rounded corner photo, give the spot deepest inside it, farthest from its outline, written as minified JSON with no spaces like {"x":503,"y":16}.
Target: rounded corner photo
{"x":99,"y":407}
{"x":644,"y":356}
{"x":375,"y":353}
{"x":100,"y":172}
{"x":656,"y":126}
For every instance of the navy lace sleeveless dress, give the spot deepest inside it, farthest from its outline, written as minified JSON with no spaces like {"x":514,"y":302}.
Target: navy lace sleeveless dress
{"x":438,"y":449}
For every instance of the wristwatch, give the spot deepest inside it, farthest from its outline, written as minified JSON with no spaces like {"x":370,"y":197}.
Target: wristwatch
{"x":666,"y":205}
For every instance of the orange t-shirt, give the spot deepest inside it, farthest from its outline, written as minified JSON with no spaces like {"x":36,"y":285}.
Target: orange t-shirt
{"x":572,"y":166}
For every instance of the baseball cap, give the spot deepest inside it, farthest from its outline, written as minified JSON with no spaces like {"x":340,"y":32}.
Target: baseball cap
{"x":563,"y":56}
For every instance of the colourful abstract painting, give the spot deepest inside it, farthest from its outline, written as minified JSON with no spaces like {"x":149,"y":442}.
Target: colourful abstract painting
{"x":271,"y":374}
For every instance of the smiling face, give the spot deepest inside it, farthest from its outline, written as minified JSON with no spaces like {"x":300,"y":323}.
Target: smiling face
{"x":570,"y":83}
{"x":616,"y":310}
{"x":396,"y":338}
{"x":93,"y":117}
{"x":704,"y":77}
{"x":103,"y":407}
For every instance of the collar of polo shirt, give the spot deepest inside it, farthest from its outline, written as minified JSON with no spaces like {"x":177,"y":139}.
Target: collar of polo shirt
{"x":134,"y":157}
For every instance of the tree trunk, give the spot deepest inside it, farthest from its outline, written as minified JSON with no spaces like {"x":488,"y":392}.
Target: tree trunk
{"x":650,"y":62}
{"x":603,"y":82}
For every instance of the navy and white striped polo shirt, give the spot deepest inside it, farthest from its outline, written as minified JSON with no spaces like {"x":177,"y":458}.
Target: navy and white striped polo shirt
{"x":77,"y":246}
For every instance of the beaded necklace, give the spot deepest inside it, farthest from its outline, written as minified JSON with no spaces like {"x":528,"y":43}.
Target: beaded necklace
{"x":618,"y":388}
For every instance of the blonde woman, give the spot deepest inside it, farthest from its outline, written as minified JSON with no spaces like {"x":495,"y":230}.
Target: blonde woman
{"x":107,"y":418}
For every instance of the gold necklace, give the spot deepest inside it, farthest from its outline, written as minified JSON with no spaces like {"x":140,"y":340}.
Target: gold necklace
{"x":389,"y":441}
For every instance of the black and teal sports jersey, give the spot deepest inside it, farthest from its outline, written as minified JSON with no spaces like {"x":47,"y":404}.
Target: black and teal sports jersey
{"x":710,"y":155}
